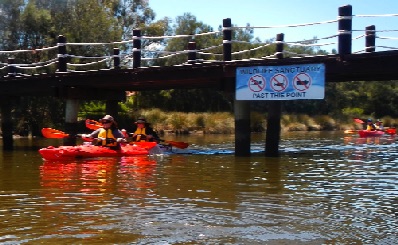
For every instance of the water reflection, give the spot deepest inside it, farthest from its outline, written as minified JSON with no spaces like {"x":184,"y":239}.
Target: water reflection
{"x":128,"y":175}
{"x":324,"y":189}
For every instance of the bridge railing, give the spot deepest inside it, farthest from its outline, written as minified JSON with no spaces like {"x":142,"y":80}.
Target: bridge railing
{"x":132,"y":54}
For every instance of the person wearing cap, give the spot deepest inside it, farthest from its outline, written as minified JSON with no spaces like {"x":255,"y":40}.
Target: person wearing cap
{"x":379,"y":125}
{"x":143,"y":132}
{"x":109,"y":135}
{"x":370,"y":125}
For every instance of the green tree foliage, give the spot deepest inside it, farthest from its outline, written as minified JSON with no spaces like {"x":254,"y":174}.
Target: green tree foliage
{"x":377,"y":98}
{"x":10,"y":23}
{"x":205,"y":99}
{"x":33,"y":24}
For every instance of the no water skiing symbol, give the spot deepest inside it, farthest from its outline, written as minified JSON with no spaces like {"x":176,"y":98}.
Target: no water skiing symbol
{"x":302,"y":81}
{"x":279,"y":82}
{"x":256,"y":83}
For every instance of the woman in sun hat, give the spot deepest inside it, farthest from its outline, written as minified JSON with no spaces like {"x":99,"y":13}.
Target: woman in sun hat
{"x":109,"y":135}
{"x":143,"y":131}
{"x":379,"y":125}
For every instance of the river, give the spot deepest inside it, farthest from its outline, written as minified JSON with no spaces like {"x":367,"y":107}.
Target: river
{"x":325,"y":188}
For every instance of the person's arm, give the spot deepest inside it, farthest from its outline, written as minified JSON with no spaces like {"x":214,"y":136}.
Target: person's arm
{"x":152,"y":134}
{"x":133,"y":134}
{"x":93,"y":134}
{"x":118,"y":135}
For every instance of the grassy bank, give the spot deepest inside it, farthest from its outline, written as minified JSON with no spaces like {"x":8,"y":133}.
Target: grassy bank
{"x":223,"y":122}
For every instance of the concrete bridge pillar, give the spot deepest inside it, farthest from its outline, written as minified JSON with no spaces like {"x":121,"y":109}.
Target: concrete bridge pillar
{"x":6,"y":123}
{"x":72,"y":105}
{"x":71,"y":113}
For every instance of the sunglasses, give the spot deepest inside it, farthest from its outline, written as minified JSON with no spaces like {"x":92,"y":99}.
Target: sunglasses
{"x":106,"y":121}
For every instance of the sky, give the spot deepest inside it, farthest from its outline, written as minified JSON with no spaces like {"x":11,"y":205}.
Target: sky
{"x":260,"y":13}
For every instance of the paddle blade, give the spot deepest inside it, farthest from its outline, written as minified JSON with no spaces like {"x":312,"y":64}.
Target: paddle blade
{"x":350,"y":131}
{"x":181,"y":145}
{"x":146,"y":145}
{"x":357,"y":120}
{"x":391,"y":131}
{"x":92,"y":124}
{"x":53,"y":133}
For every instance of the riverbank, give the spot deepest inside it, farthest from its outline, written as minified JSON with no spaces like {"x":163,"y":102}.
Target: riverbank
{"x":223,"y":122}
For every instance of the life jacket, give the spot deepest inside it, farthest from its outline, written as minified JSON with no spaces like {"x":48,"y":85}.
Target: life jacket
{"x":107,"y":134}
{"x":370,"y":127}
{"x":140,"y":132}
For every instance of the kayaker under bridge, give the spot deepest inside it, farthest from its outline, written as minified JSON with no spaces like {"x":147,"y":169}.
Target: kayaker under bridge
{"x":74,"y":81}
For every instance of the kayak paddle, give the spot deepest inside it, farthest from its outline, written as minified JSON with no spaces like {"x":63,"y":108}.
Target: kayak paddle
{"x":181,"y":145}
{"x":53,"y":133}
{"x":391,"y":131}
{"x":357,"y":120}
{"x":58,"y":134}
{"x":350,"y":131}
{"x":92,"y":124}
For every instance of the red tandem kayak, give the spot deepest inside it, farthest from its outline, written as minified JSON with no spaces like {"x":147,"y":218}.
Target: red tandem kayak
{"x":89,"y":151}
{"x":366,"y":133}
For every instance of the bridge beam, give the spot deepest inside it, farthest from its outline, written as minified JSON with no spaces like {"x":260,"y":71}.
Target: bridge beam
{"x":92,"y":94}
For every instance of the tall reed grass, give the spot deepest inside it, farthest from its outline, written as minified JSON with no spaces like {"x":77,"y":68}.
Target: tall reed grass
{"x":223,"y":122}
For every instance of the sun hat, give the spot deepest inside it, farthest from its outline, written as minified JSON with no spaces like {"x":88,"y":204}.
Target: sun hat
{"x":107,"y":118}
{"x":140,"y":120}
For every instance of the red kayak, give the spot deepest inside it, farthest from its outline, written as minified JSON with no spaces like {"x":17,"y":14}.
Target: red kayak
{"x":367,"y":133}
{"x":89,"y":151}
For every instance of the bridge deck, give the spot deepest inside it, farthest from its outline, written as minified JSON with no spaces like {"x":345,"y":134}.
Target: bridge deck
{"x":377,"y":66}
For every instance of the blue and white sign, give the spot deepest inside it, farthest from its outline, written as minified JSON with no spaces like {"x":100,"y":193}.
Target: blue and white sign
{"x":293,"y":82}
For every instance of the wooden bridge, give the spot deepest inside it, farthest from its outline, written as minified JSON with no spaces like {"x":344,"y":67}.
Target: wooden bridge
{"x":112,"y":83}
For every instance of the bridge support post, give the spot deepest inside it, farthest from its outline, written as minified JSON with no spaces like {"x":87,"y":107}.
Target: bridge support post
{"x":136,"y":48}
{"x":6,"y":123}
{"x":72,"y":105}
{"x":345,"y":30}
{"x":62,"y":66}
{"x":12,"y":70}
{"x":241,"y":107}
{"x":370,"y":39}
{"x":116,"y":58}
{"x":191,"y":52}
{"x":71,"y":113}
{"x":242,"y":128}
{"x":273,"y":132}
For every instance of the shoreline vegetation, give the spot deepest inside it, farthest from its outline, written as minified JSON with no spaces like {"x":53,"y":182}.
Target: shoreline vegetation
{"x":223,"y":122}
{"x":200,"y":123}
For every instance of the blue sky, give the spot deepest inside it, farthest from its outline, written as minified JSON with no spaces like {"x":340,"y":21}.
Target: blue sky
{"x":286,"y":12}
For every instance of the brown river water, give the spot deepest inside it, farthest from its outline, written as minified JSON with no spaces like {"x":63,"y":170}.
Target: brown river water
{"x":325,"y":188}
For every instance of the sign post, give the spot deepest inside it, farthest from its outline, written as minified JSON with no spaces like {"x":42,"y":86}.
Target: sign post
{"x":292,"y":82}
{"x":277,"y":83}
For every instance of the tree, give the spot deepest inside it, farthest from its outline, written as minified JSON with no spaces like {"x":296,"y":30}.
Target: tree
{"x":33,"y":24}
{"x":206,"y":99}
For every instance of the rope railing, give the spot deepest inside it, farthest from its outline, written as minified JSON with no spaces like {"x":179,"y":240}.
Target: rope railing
{"x":154,"y":51}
